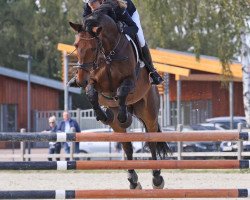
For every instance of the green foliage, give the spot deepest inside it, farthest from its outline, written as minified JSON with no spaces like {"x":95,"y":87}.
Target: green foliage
{"x":35,"y":28}
{"x":210,"y":27}
{"x":207,"y":27}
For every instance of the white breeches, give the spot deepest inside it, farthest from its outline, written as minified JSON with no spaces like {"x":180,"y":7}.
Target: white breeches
{"x":136,"y":18}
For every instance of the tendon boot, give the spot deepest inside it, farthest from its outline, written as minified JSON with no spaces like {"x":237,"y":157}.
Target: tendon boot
{"x":72,"y":82}
{"x":156,"y":78}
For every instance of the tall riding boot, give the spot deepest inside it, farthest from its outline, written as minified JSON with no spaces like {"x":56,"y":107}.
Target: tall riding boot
{"x":156,"y":78}
{"x":72,"y":82}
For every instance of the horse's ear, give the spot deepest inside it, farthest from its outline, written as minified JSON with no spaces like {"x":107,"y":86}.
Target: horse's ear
{"x":97,"y":30}
{"x":76,"y":27}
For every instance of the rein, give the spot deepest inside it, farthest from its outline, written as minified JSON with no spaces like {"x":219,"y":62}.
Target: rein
{"x":100,"y":50}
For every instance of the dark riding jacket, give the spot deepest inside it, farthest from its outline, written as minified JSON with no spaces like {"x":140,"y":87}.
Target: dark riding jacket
{"x":122,"y":15}
{"x":72,"y":123}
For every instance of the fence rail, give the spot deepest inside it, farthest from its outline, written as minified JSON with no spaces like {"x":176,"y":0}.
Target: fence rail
{"x":169,"y":136}
{"x":173,"y":136}
{"x":121,"y":194}
{"x":112,"y":156}
{"x":126,"y":164}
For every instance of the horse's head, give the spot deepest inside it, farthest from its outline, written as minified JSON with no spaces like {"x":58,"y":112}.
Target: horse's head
{"x":92,"y":43}
{"x":87,"y":50}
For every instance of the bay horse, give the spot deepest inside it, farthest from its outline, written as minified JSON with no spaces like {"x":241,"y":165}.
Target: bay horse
{"x":106,"y":69}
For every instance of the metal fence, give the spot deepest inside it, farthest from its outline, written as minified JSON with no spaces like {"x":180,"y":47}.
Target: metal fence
{"x":85,"y":118}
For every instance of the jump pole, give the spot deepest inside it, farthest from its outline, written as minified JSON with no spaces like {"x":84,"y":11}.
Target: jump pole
{"x":127,"y":137}
{"x":121,"y":194}
{"x":126,"y":164}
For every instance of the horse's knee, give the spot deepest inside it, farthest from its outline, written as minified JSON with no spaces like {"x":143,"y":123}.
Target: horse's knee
{"x":123,"y":116}
{"x":122,"y":92}
{"x":126,"y":87}
{"x":107,"y":116}
{"x":92,"y":95}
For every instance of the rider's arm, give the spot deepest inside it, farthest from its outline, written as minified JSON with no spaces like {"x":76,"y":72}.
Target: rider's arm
{"x":131,"y":27}
{"x":86,"y":10}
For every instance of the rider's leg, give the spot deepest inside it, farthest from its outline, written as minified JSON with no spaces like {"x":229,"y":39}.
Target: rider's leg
{"x":156,"y":78}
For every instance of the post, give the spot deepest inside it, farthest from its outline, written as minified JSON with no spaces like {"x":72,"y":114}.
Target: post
{"x":78,"y":116}
{"x":29,"y":59}
{"x":22,"y":145}
{"x":72,"y":145}
{"x":35,"y":121}
{"x":66,"y":92}
{"x":162,"y":110}
{"x":178,"y":102}
{"x":231,"y":103}
{"x":29,"y":103}
{"x":179,"y":144}
{"x":239,"y":143}
{"x":167,"y":101}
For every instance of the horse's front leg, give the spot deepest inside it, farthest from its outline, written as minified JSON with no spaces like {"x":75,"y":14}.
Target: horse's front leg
{"x":132,"y":175}
{"x":106,"y":117}
{"x":124,"y":117}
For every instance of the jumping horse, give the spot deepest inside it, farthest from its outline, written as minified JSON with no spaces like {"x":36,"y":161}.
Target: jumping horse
{"x":108,"y":70}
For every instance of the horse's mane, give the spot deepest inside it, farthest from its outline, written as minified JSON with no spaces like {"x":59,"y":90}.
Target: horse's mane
{"x":96,"y":18}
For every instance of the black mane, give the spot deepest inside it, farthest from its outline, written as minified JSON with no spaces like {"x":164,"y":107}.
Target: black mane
{"x":94,"y":19}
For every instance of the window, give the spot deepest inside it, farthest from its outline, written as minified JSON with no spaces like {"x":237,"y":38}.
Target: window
{"x":8,"y":117}
{"x":192,"y":112}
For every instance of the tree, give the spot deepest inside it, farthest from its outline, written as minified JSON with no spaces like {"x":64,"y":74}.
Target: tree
{"x":245,"y":52}
{"x":208,"y":27}
{"x":35,"y":28}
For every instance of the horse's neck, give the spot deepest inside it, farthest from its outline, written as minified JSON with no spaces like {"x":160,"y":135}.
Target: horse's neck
{"x":110,"y":39}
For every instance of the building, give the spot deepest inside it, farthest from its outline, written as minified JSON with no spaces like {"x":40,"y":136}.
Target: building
{"x":45,"y":95}
{"x":193,"y":89}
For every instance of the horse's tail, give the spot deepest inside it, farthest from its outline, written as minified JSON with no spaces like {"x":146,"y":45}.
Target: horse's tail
{"x":162,"y":148}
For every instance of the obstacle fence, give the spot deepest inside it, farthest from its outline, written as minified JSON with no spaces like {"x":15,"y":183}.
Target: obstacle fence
{"x":126,"y":164}
{"x":126,"y":137}
{"x":115,"y":194}
{"x":173,"y":136}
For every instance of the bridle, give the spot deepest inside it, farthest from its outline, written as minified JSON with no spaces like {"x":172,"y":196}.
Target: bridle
{"x":100,"y":50}
{"x":88,"y":66}
{"x":108,"y":58}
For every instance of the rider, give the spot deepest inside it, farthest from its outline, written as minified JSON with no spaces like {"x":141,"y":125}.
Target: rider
{"x":128,"y":14}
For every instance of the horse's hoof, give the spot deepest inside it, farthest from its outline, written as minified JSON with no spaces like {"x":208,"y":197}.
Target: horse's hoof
{"x":135,"y":186}
{"x":158,"y":182}
{"x":127,"y":123}
{"x":110,"y":117}
{"x":133,"y":180}
{"x":138,"y":187}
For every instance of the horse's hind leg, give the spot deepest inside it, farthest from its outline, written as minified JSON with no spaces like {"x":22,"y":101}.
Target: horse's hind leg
{"x":147,"y":110}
